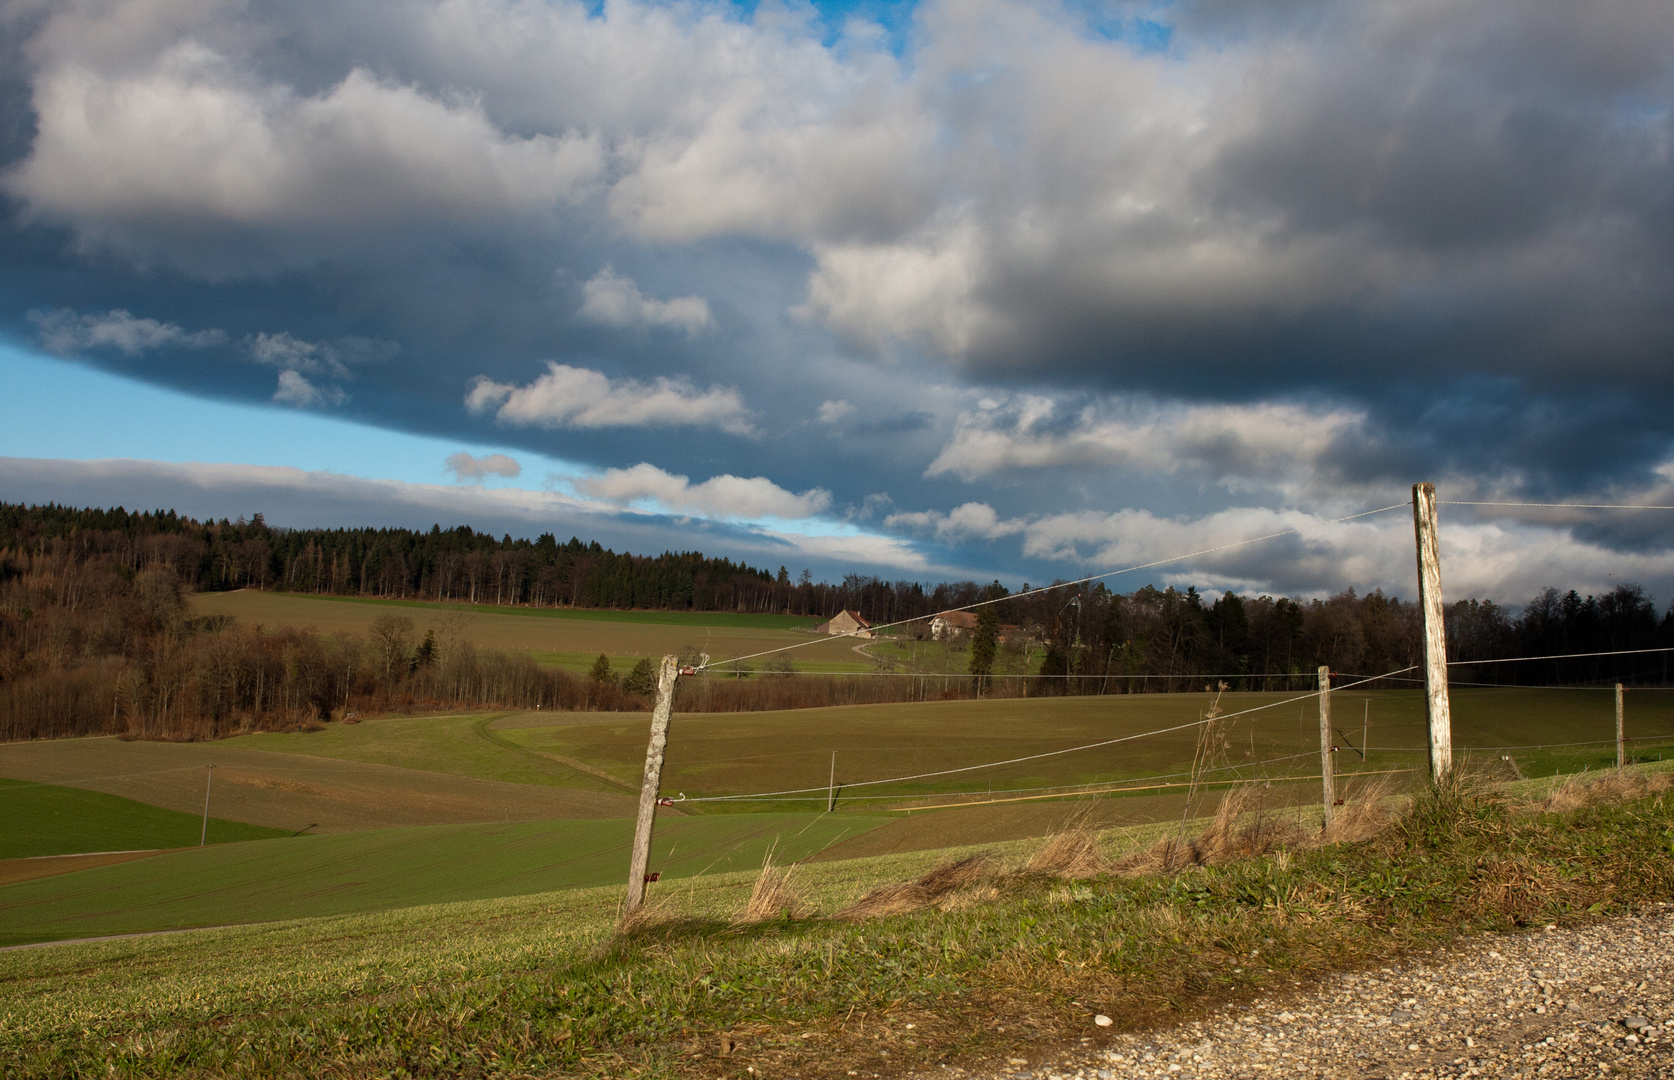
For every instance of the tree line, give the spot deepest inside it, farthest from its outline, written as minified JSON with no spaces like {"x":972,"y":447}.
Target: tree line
{"x":95,"y":634}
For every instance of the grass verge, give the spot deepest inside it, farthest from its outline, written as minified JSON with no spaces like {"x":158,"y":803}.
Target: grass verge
{"x":1002,"y":964}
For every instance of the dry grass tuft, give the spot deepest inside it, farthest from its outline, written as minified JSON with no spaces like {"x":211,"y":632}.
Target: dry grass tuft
{"x":1612,"y":787}
{"x":772,"y":897}
{"x":1521,"y":890}
{"x":1242,"y":826}
{"x":1072,"y":851}
{"x":908,"y":896}
{"x":1365,"y":812}
{"x":650,"y":915}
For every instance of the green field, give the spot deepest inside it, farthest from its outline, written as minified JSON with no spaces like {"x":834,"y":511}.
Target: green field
{"x":385,"y":869}
{"x":45,"y":819}
{"x":730,"y":753}
{"x":567,"y":638}
{"x":491,"y":788}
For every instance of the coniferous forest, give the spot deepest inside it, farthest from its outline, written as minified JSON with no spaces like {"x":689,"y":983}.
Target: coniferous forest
{"x":96,"y":634}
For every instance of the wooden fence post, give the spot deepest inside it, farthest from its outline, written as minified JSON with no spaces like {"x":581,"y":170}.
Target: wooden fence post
{"x":1326,"y":770}
{"x":831,"y":786}
{"x":1435,"y":631}
{"x":1621,"y":731}
{"x":203,"y":838}
{"x":653,"y":779}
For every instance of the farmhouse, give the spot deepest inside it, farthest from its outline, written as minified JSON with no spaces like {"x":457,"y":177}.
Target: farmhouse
{"x":846,"y":622}
{"x":951,"y":625}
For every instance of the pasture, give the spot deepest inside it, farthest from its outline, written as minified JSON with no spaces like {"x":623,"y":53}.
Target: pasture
{"x":432,"y":809}
{"x":292,"y":791}
{"x":567,"y":638}
{"x":46,"y":819}
{"x":385,"y":869}
{"x":1262,"y":735}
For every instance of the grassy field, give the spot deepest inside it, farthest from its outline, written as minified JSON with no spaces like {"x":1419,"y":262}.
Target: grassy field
{"x":729,"y":753}
{"x":291,"y":791}
{"x":45,"y":819}
{"x":566,"y":638}
{"x":384,"y":869}
{"x":540,"y":985}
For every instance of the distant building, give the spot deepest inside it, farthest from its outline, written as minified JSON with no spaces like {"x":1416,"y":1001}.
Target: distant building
{"x":846,"y":622}
{"x":951,"y":625}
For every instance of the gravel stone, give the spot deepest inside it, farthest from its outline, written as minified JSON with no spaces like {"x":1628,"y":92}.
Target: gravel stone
{"x":1590,"y":1001}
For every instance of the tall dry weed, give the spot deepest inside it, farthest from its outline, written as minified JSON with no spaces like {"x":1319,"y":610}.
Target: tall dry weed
{"x":772,"y":897}
{"x":1072,"y":851}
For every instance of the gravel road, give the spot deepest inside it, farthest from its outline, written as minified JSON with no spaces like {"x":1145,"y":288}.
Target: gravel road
{"x":1587,"y":1001}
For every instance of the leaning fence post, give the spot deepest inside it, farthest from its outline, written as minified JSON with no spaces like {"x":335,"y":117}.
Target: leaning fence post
{"x":1326,"y":770}
{"x":1435,"y":630}
{"x":652,"y":782}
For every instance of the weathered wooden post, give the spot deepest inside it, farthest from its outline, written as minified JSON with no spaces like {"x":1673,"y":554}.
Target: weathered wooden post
{"x":1326,"y":770}
{"x":653,"y":779}
{"x":1621,"y":731}
{"x":203,"y":837}
{"x":1435,"y":630}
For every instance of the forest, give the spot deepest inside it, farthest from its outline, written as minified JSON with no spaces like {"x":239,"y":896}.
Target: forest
{"x":96,"y":635}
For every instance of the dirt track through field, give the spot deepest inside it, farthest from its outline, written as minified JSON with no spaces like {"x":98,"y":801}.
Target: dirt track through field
{"x":1585,"y":1001}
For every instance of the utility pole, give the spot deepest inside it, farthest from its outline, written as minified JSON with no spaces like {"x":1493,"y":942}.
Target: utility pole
{"x":1327,"y":774}
{"x":203,"y":837}
{"x":652,"y":781}
{"x":1435,"y":631}
{"x":831,"y":786}
{"x":1621,"y":731}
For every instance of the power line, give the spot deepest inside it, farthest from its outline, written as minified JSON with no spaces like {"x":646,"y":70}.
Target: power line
{"x":1067,"y":584}
{"x":1559,"y":506}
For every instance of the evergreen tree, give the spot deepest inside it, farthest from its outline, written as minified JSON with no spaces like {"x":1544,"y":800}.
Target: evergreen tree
{"x":601,"y":672}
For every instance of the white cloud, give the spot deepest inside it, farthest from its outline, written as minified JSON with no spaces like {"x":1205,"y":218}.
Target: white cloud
{"x":129,"y":150}
{"x":726,"y":497}
{"x":1270,"y":442}
{"x":468,"y":469}
{"x":63,"y":331}
{"x":582,"y":398}
{"x":971,"y":520}
{"x":919,"y":288}
{"x":295,"y":389}
{"x":833,"y":411}
{"x":614,"y":300}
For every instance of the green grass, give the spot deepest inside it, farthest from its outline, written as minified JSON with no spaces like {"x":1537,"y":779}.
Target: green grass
{"x":729,"y":619}
{"x":384,"y":869}
{"x":730,"y":753}
{"x":540,"y":986}
{"x":465,"y":745}
{"x":45,"y":819}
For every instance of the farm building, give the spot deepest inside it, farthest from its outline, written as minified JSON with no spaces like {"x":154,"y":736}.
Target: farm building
{"x":950,"y":625}
{"x":846,"y":622}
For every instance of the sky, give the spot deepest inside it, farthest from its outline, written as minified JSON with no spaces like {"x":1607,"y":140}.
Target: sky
{"x":955,"y":289}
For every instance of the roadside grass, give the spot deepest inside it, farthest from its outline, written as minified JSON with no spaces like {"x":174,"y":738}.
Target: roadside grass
{"x":45,"y":819}
{"x":1014,"y":963}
